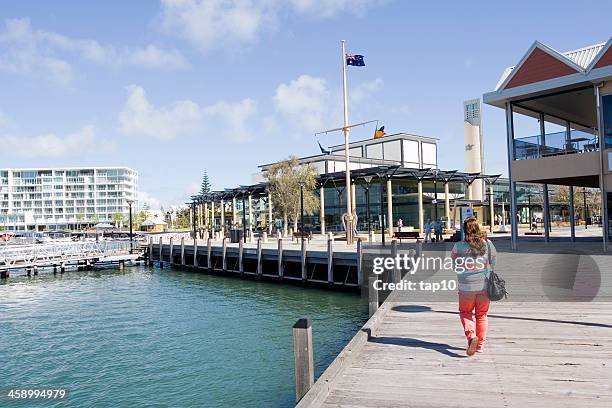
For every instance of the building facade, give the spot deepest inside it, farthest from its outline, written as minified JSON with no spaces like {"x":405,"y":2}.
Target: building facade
{"x":65,"y":198}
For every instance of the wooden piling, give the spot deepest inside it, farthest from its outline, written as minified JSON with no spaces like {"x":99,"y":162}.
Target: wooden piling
{"x":161,"y":252}
{"x":240,"y":254}
{"x":224,"y":254}
{"x":303,"y":357}
{"x":63,"y":268}
{"x":3,"y":274}
{"x":209,"y":254}
{"x":195,"y":252}
{"x":303,"y":261}
{"x":54,"y":269}
{"x":171,"y":260}
{"x":150,"y":251}
{"x":372,"y":296}
{"x":182,"y":251}
{"x":121,"y":265}
{"x":330,"y":261}
{"x":359,"y":263}
{"x":280,"y":258}
{"x":259,"y":269}
{"x":35,"y":270}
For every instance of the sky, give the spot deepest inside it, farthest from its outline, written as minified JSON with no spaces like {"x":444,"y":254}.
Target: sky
{"x":173,"y":87}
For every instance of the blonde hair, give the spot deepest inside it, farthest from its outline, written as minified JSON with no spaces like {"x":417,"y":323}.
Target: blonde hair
{"x":474,"y":237}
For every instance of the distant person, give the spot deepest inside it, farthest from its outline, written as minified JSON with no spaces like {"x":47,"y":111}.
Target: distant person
{"x":427,"y":228}
{"x":438,"y":230}
{"x":474,"y":259}
{"x":400,"y":224}
{"x":534,"y":223}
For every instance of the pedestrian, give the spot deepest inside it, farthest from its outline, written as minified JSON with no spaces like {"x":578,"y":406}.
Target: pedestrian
{"x":400,"y":224}
{"x":474,"y":258}
{"x":427,"y":228}
{"x":438,"y":230}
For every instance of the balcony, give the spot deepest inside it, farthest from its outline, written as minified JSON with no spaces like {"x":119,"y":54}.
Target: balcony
{"x":579,"y":141}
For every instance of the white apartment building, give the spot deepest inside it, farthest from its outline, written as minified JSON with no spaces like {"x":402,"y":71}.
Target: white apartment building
{"x":65,"y":198}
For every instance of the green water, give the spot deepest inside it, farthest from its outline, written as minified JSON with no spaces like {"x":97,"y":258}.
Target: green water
{"x":155,"y":338}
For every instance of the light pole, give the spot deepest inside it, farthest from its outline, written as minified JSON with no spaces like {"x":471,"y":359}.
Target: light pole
{"x":382,"y":208}
{"x":130,"y":202}
{"x":302,"y":210}
{"x":436,"y":194}
{"x":586,"y":209}
{"x":368,"y":180}
{"x":243,"y":217}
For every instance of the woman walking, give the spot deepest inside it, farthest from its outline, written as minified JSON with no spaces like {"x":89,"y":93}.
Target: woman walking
{"x":474,"y":260}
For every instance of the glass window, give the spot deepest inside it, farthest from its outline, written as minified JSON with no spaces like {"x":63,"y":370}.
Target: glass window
{"x":607,"y":120}
{"x":356,"y":152}
{"x":411,"y":153}
{"x":374,"y":151}
{"x":393,"y":150}
{"x":429,"y":154}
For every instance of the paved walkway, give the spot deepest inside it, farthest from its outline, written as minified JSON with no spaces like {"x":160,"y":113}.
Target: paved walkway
{"x":538,"y":355}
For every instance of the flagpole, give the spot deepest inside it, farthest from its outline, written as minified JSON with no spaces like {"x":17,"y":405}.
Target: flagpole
{"x":345,"y":130}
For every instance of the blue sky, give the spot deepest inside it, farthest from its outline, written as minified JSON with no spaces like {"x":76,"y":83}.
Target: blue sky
{"x":172,"y":87}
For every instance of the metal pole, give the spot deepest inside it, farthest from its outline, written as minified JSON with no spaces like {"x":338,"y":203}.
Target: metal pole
{"x":436,"y":196}
{"x":345,"y":130}
{"x":195,"y":232}
{"x":510,"y":146}
{"x":131,"y":234}
{"x":302,"y":210}
{"x":382,"y":212}
{"x":243,"y":220}
{"x":604,"y":200}
{"x":572,"y":214}
{"x":367,"y":197}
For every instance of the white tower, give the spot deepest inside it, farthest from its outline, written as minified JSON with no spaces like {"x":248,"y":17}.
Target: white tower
{"x":472,"y":143}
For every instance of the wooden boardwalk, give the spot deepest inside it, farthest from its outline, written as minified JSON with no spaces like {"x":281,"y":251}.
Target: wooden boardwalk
{"x":538,"y":355}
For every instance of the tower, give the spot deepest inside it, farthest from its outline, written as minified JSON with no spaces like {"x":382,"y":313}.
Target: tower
{"x":472,"y":142}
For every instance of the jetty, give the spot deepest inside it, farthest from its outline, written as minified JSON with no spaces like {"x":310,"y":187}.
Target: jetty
{"x":319,"y":262}
{"x":548,"y":345}
{"x":65,"y":254}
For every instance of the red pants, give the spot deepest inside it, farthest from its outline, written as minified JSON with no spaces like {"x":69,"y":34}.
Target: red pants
{"x":468,"y":303}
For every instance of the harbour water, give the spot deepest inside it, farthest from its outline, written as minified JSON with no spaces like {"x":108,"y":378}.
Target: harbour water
{"x":164,"y":338}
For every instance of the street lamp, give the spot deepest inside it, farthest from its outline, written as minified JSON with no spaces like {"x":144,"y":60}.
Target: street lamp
{"x":368,"y":180}
{"x":243,"y":217}
{"x":302,"y":210}
{"x":130,"y":202}
{"x":382,"y":207}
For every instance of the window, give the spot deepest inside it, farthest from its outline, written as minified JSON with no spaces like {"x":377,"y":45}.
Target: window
{"x":411,"y":153}
{"x":429,"y":154}
{"x":374,"y":151}
{"x":607,"y":120}
{"x":393,"y":151}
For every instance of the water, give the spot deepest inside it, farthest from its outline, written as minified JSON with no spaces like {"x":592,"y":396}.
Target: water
{"x":165,"y":338}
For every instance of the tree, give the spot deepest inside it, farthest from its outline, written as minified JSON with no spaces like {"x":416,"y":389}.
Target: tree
{"x":284,"y":180}
{"x":205,"y":183}
{"x":118,"y":219}
{"x":560,"y":194}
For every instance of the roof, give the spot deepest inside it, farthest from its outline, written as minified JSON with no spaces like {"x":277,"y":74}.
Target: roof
{"x":582,"y":58}
{"x":151,"y":223}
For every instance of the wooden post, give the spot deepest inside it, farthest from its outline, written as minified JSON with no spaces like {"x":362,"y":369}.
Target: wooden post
{"x":209,"y":254}
{"x":183,"y":251}
{"x":3,"y":274}
{"x":240,"y":253}
{"x":303,"y":261}
{"x":224,"y":252}
{"x":359,"y":264}
{"x":161,"y":252}
{"x":35,"y":270}
{"x":372,"y":296}
{"x":395,"y":273}
{"x":171,"y":261}
{"x":54,"y":269}
{"x":280,"y":258}
{"x":121,"y":265}
{"x":330,"y":261}
{"x":150,"y":251}
{"x":303,"y":355}
{"x":63,"y":268}
{"x":195,"y":252}
{"x":259,"y":270}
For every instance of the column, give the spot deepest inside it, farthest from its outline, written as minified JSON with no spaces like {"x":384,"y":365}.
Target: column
{"x":234,"y":212}
{"x":390,"y":205}
{"x":353,"y":201}
{"x":250,"y":211}
{"x":420,"y":204}
{"x":206,"y":223}
{"x":270,"y":220}
{"x":222,"y":216}
{"x":322,"y":209}
{"x":447,"y":205}
{"x":545,"y":203}
{"x":571,"y":214}
{"x":212,"y":214}
{"x":491,"y":206}
{"x":510,"y":148}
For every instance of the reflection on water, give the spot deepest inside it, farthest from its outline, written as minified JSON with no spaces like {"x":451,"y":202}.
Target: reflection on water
{"x":164,"y":338}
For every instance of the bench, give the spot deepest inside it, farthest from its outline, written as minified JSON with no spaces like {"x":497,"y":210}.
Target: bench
{"x":298,"y":235}
{"x":407,"y":235}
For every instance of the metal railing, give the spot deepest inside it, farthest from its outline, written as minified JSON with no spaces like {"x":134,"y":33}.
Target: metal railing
{"x":558,"y":143}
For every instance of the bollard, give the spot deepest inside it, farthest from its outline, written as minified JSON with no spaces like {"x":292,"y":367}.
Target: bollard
{"x":330,"y":236}
{"x":372,"y":296}
{"x":264,"y":235}
{"x":303,"y":357}
{"x":372,"y":238}
{"x":330,"y":261}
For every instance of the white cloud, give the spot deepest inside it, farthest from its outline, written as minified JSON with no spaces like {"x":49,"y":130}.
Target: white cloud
{"x":209,"y":24}
{"x":145,"y":198}
{"x":364,"y":90}
{"x":304,"y":102}
{"x":44,"y":54}
{"x":139,"y":117}
{"x":233,"y":118}
{"x":230,"y":119}
{"x":50,"y":145}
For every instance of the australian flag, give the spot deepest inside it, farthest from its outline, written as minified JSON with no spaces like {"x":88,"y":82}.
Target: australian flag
{"x":355,"y":60}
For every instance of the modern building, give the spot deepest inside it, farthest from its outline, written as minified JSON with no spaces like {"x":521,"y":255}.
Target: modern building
{"x":559,"y":124}
{"x":65,"y":198}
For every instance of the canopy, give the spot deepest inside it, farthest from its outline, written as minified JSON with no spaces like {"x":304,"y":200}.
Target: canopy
{"x":103,"y":225}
